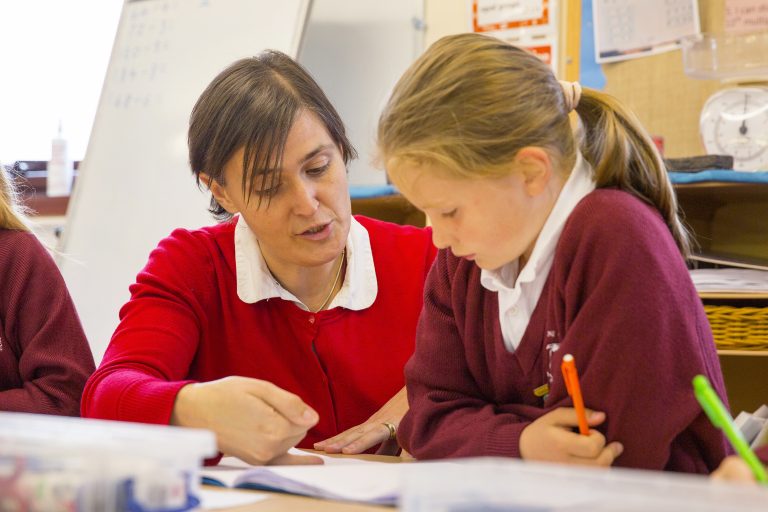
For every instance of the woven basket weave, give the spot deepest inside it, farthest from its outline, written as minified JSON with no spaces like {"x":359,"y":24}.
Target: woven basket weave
{"x":739,"y":328}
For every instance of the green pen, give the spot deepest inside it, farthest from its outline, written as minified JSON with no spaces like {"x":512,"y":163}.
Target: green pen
{"x":721,"y":418}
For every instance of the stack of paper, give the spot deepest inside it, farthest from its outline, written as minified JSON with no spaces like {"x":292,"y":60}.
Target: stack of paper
{"x":730,"y":280}
{"x":754,"y":426}
{"x":514,"y":485}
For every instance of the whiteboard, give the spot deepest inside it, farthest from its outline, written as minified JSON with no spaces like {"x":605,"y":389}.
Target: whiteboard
{"x":357,"y":50}
{"x":135,"y":185}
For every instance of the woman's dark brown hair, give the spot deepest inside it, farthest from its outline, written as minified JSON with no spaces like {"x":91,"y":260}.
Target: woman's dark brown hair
{"x":253,"y":104}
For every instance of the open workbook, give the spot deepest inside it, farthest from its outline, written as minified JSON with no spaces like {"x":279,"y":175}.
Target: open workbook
{"x":342,"y":479}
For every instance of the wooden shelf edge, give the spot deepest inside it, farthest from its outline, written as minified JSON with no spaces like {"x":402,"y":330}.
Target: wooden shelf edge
{"x":730,"y":352}
{"x":734,"y":295}
{"x":700,"y":185}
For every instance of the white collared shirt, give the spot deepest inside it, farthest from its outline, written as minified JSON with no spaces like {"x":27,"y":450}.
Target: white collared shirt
{"x":520,"y":291}
{"x":255,"y":282}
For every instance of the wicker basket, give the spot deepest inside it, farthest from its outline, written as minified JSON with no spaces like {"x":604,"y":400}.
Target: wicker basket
{"x":735,"y":328}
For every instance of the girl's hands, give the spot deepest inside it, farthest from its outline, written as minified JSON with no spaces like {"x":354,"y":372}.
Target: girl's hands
{"x":733,"y":469}
{"x":551,"y":438}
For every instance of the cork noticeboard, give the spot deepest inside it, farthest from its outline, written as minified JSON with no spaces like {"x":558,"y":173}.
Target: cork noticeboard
{"x":667,"y":101}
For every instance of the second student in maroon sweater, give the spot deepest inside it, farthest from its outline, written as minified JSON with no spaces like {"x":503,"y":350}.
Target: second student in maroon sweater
{"x":44,"y":356}
{"x":550,"y":243}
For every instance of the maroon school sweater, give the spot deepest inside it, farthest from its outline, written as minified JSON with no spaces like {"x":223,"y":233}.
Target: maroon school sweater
{"x":762,"y":452}
{"x":620,"y":299}
{"x":44,"y":356}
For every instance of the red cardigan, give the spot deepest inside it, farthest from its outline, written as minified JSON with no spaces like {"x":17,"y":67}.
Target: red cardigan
{"x":620,"y":299}
{"x":44,"y":356}
{"x":184,"y":322}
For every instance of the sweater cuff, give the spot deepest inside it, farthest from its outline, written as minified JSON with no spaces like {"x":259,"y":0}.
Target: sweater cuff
{"x":505,"y":441}
{"x":214,"y":461}
{"x":150,"y":402}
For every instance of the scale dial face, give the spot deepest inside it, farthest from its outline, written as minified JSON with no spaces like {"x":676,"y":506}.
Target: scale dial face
{"x":735,"y":122}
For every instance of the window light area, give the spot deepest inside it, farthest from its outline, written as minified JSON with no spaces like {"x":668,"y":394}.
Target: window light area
{"x":53,"y":59}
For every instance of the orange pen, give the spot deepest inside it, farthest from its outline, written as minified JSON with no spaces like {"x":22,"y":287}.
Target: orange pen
{"x":571,"y":378}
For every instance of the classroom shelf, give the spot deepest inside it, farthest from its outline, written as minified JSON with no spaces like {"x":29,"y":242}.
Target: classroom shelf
{"x":730,"y":217}
{"x":30,"y":180}
{"x":745,"y":353}
{"x":734,"y":295}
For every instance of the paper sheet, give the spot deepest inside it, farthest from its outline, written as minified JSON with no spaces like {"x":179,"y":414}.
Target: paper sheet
{"x":214,"y":499}
{"x":730,"y":280}
{"x":626,"y":29}
{"x":515,"y":485}
{"x":345,"y":479}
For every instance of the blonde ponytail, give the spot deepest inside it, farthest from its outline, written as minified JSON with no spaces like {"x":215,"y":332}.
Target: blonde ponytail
{"x":624,"y":156}
{"x":11,"y":212}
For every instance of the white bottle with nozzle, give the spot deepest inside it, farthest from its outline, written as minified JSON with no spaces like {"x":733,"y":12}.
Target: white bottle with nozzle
{"x":60,"y":169}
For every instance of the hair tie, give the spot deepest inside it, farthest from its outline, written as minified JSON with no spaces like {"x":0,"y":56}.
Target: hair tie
{"x":572,"y":94}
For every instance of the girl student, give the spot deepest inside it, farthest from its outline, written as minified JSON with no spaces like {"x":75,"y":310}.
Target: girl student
{"x":551,"y":242}
{"x":45,"y":358}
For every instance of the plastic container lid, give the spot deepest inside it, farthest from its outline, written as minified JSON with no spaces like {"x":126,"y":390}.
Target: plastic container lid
{"x":36,"y":434}
{"x":742,"y":57}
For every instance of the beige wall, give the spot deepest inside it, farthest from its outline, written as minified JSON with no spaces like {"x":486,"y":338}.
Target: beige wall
{"x":445,"y":17}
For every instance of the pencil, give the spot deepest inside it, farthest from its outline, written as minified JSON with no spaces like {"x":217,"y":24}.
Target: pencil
{"x":571,"y":377}
{"x":720,"y":417}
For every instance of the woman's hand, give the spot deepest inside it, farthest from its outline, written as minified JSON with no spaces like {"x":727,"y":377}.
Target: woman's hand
{"x":551,"y":438}
{"x":734,"y":469}
{"x":253,"y":420}
{"x":372,"y":432}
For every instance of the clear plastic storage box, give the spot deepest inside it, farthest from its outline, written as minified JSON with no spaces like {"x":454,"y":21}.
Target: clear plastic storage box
{"x":53,"y":463}
{"x":738,"y":57}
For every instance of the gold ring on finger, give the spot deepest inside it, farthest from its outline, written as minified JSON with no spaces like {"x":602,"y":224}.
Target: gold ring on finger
{"x":392,"y":430}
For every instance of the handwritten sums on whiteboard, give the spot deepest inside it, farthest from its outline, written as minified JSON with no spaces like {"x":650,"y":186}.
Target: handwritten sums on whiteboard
{"x":142,"y":50}
{"x":140,"y":53}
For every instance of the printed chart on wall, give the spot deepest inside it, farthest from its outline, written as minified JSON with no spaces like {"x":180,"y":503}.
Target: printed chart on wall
{"x":627,"y":29}
{"x":530,"y":24}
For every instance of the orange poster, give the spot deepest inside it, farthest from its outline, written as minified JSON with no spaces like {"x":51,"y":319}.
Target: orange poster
{"x":529,"y":24}
{"x":491,"y":16}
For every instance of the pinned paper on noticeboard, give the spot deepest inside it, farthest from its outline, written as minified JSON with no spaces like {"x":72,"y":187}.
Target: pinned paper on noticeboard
{"x":530,"y":24}
{"x":628,"y":29}
{"x":745,"y":16}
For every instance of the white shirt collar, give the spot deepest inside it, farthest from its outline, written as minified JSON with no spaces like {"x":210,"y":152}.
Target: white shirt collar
{"x":255,"y":282}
